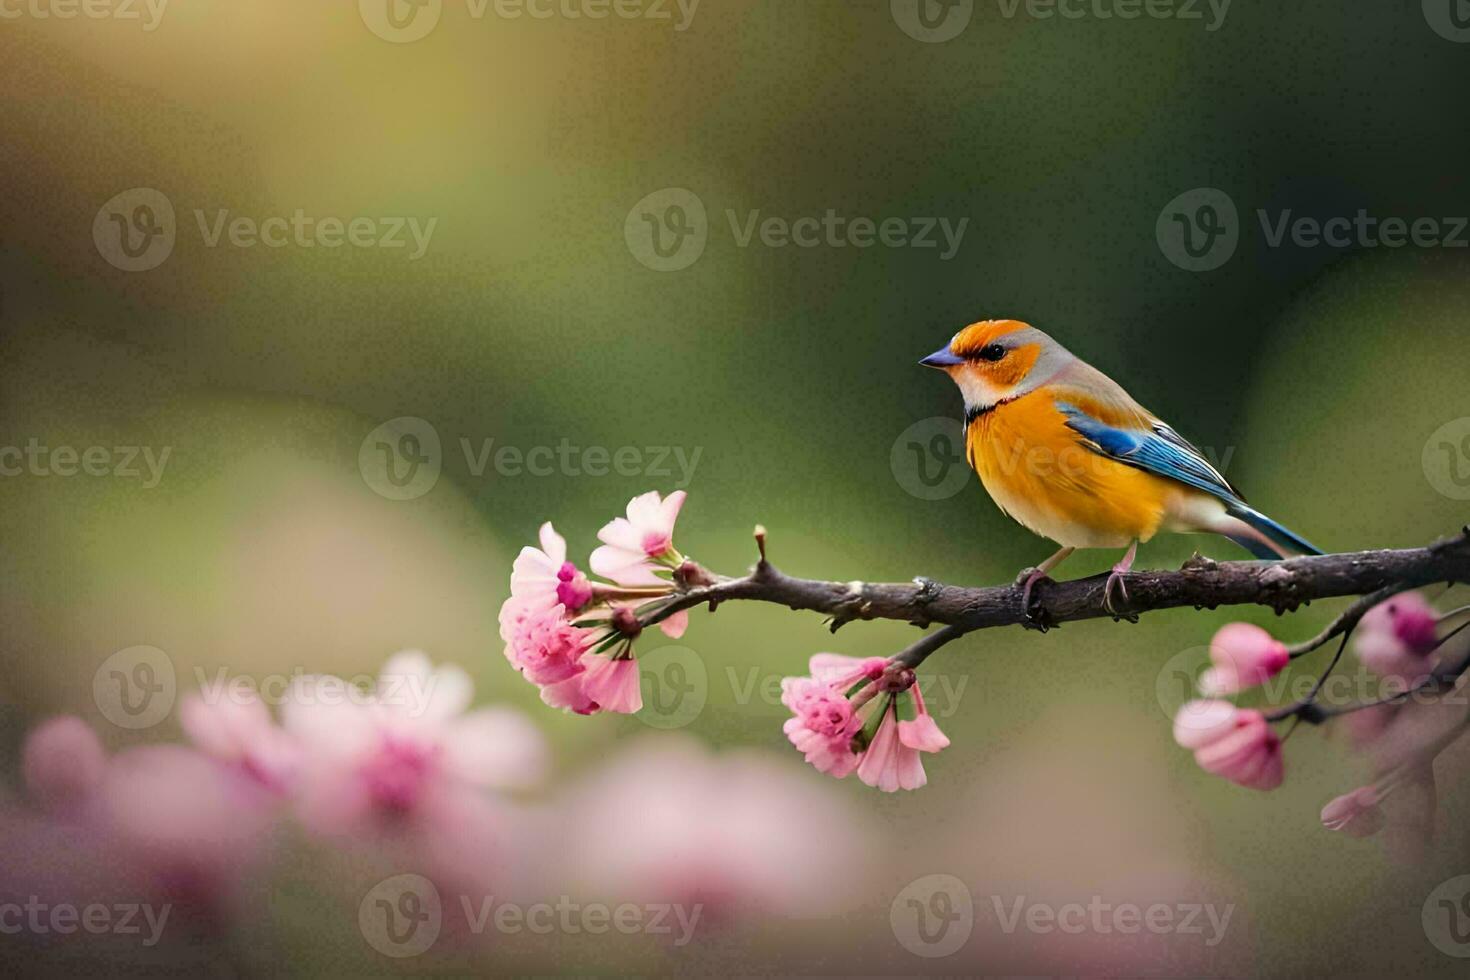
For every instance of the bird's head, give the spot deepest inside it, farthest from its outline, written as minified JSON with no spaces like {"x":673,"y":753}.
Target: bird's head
{"x":996,"y":360}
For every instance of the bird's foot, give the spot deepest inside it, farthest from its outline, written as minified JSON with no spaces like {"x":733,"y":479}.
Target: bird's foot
{"x":1036,"y":617}
{"x":1115,"y":583}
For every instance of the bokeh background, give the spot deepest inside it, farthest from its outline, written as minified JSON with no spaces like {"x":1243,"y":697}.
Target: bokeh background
{"x":1322,"y":377}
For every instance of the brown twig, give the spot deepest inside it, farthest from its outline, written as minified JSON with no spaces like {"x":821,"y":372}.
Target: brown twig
{"x":1200,"y":583}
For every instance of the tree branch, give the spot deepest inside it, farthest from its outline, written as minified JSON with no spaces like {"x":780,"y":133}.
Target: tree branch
{"x":1200,"y":582}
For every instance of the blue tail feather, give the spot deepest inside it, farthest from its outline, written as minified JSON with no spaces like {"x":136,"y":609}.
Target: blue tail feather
{"x":1284,"y":542}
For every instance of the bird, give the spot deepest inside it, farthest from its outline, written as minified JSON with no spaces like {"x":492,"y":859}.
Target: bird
{"x":1063,"y":450}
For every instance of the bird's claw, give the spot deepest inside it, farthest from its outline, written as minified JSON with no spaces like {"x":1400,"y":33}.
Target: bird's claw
{"x":1036,"y":617}
{"x":1115,"y":580}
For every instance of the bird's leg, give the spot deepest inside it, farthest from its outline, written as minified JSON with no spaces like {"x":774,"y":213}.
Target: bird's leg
{"x":1115,"y":578}
{"x":1030,"y":576}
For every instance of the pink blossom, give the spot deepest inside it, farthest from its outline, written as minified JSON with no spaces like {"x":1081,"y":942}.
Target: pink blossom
{"x":1243,"y":656}
{"x":888,"y":763}
{"x":612,"y":683}
{"x":63,"y":763}
{"x":1199,"y":723}
{"x":843,"y":696}
{"x":1355,"y":814}
{"x":1249,"y":754}
{"x":235,"y":727}
{"x":184,"y":826}
{"x":734,"y":832}
{"x":633,"y":544}
{"x":399,"y":749}
{"x":541,"y":642}
{"x":1396,"y":637}
{"x":543,"y":576}
{"x":922,"y":732}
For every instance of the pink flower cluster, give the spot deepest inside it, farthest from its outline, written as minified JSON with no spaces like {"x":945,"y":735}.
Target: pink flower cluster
{"x":862,"y":715}
{"x":1397,"y":640}
{"x":404,"y":762}
{"x":573,"y":637}
{"x":1237,"y":744}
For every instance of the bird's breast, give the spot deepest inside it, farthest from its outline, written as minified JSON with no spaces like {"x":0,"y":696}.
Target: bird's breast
{"x":1042,"y":474}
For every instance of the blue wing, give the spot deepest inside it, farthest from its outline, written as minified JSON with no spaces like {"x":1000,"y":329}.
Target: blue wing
{"x":1160,"y":450}
{"x":1157,"y":449}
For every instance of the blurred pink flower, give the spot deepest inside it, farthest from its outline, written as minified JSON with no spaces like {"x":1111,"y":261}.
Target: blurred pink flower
{"x":370,"y":759}
{"x":235,"y":727}
{"x":543,"y":576}
{"x":1248,"y":753}
{"x":1198,"y":723}
{"x":632,"y":544}
{"x":1355,"y":814}
{"x":1242,"y":656}
{"x":737,"y":833}
{"x":185,"y":827}
{"x":63,"y":763}
{"x":842,"y":698}
{"x":1396,"y":637}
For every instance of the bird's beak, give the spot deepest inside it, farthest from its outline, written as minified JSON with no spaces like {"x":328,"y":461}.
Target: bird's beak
{"x":941,"y":359}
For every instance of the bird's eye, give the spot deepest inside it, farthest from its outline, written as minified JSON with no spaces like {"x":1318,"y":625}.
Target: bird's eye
{"x":992,"y":352}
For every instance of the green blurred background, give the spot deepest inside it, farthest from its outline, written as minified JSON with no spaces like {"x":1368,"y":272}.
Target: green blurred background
{"x":1322,"y":372}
